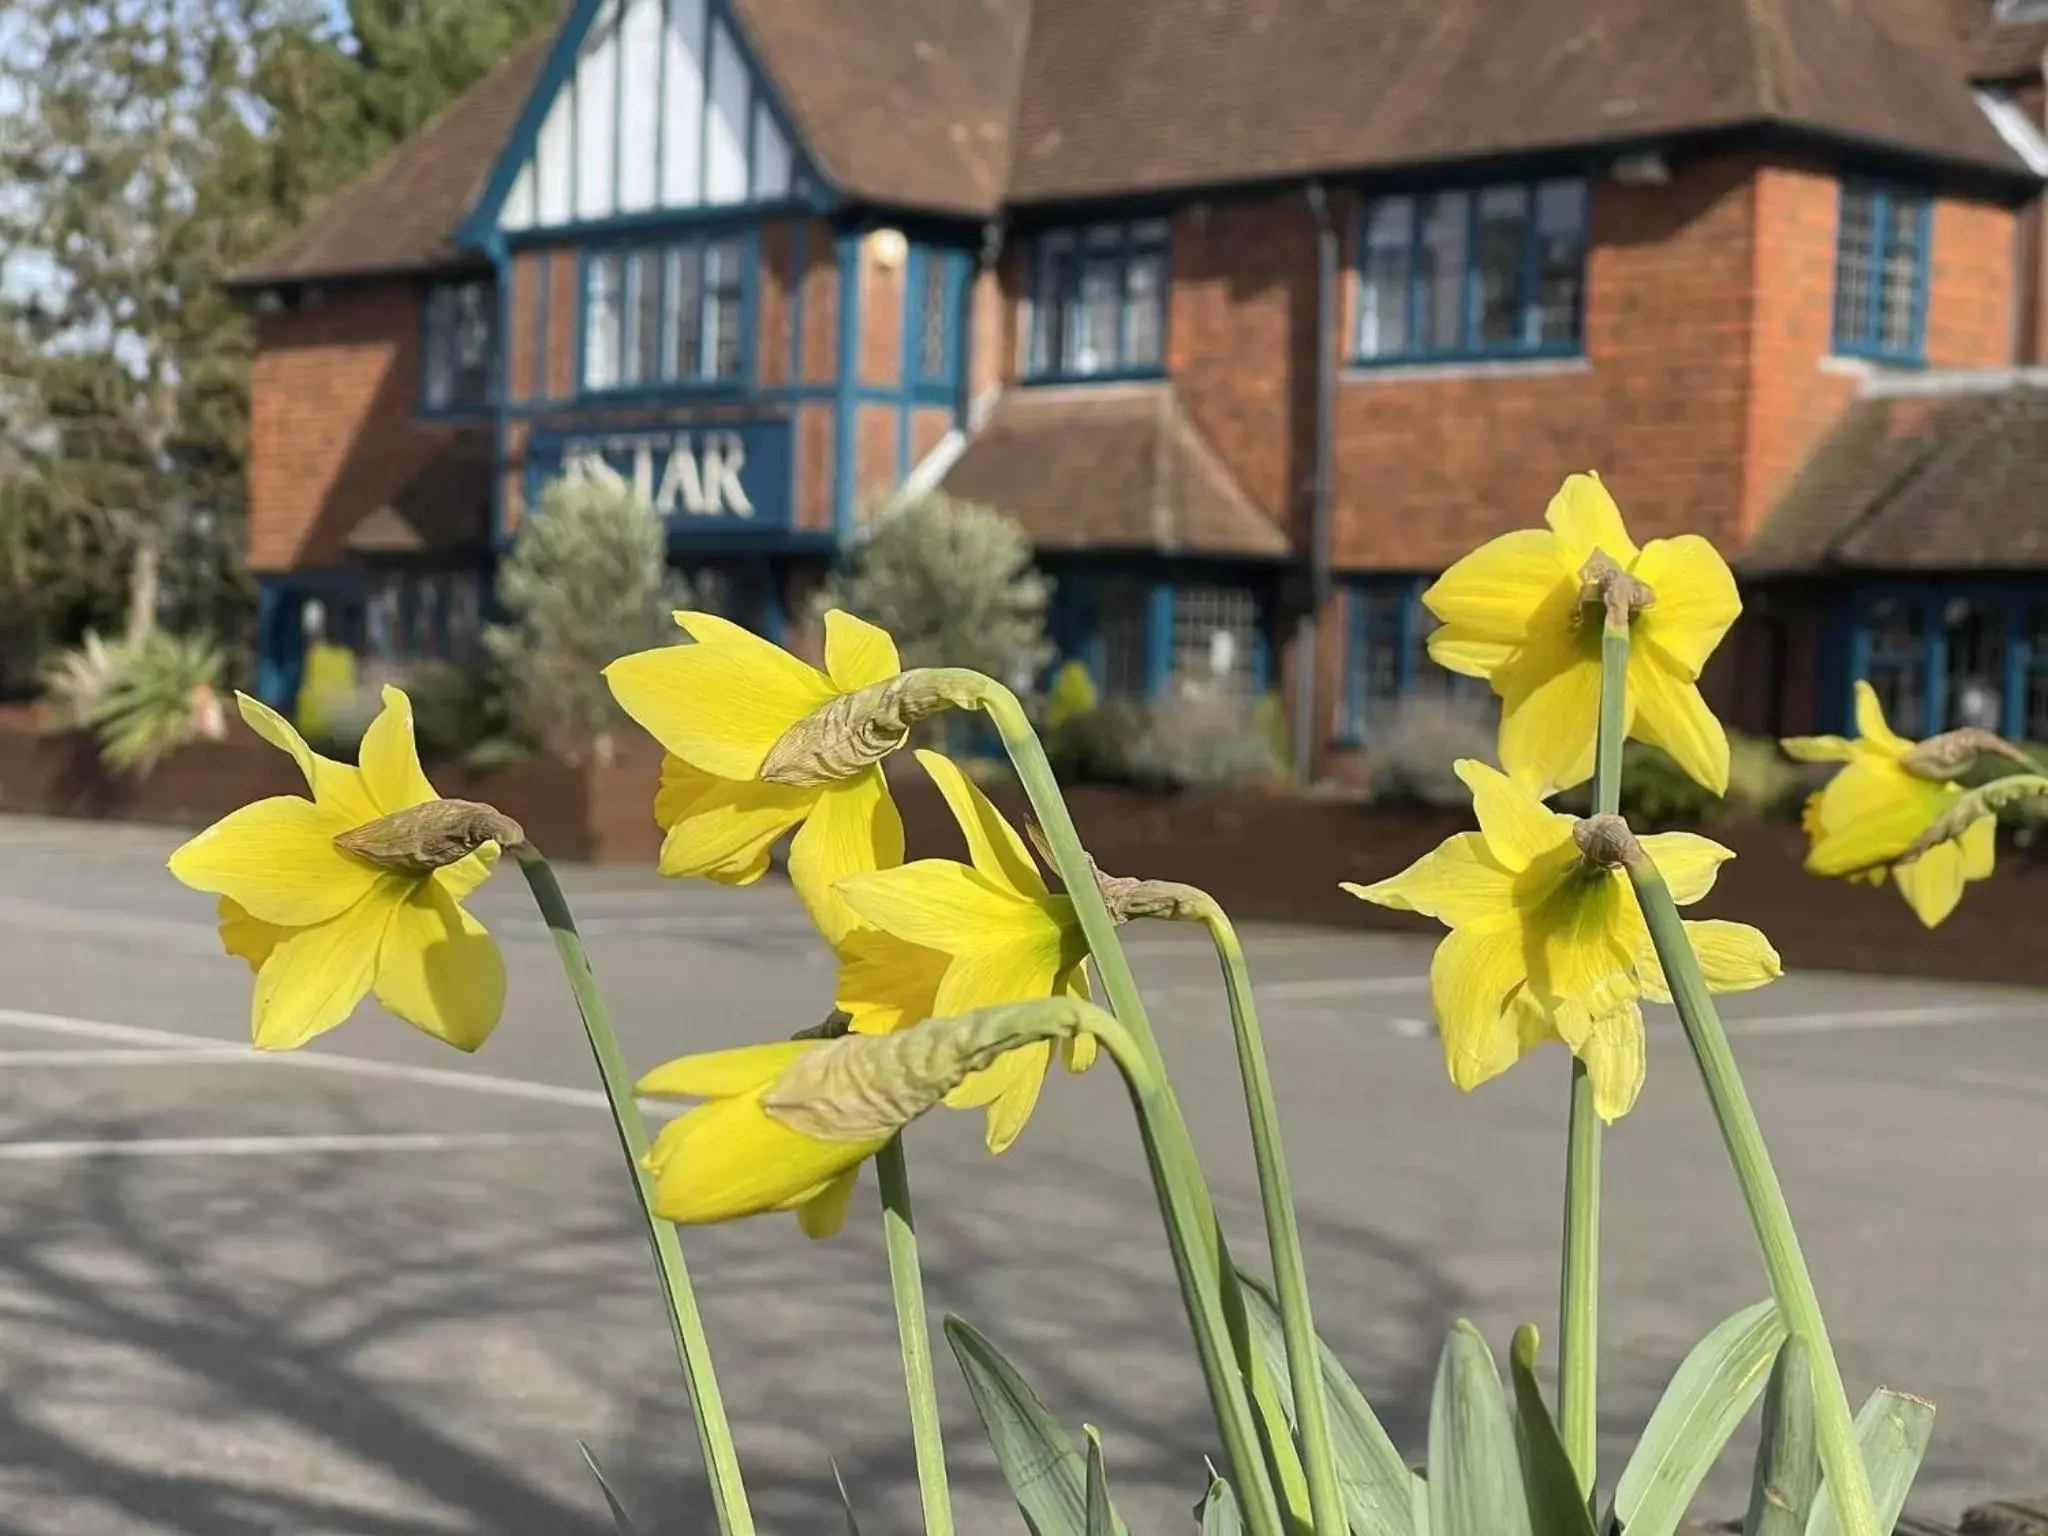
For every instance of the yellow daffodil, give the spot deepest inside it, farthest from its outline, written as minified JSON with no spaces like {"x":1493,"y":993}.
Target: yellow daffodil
{"x":944,"y":938}
{"x":1544,"y":945}
{"x":1513,"y":613}
{"x":719,"y":708}
{"x":321,"y":927}
{"x":1877,"y":805}
{"x":729,"y":1157}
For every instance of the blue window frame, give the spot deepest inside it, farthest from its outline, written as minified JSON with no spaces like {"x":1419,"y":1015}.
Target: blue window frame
{"x":1386,"y":657}
{"x":1941,"y":655}
{"x":1098,"y":301}
{"x":458,"y":346}
{"x":1472,"y":272}
{"x":1881,"y":261}
{"x":931,"y":320}
{"x":670,"y":314}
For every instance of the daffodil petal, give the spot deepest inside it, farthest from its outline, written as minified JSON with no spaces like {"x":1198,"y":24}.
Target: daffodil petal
{"x":316,"y":976}
{"x":858,"y":654}
{"x":722,"y":1074}
{"x":721,"y":707}
{"x":1518,"y":828}
{"x":1456,"y":651}
{"x":728,"y":1159}
{"x":1817,"y":749}
{"x":1870,"y":812}
{"x":466,"y":875}
{"x":1615,"y":1057}
{"x":1459,"y":881}
{"x":1470,"y":978}
{"x":278,"y":861}
{"x":1979,"y":843}
{"x":1688,"y":862}
{"x":1580,"y":945}
{"x":1495,"y":593}
{"x":1550,"y":711}
{"x":710,"y":629}
{"x":337,"y":787}
{"x":1079,"y":1051}
{"x":1695,"y":603}
{"x":1012,"y":972}
{"x":246,"y":937}
{"x":439,"y":970}
{"x":1733,"y":957}
{"x":885,"y":984}
{"x":391,"y":759}
{"x":993,"y":845}
{"x":824,"y":1213}
{"x":944,"y":906}
{"x":1933,"y":883}
{"x":1023,"y":1072}
{"x":1585,"y":519}
{"x":723,"y":829}
{"x":1871,"y":726}
{"x":853,"y":829}
{"x":1669,"y":713}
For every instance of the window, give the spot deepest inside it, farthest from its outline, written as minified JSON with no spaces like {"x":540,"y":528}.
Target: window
{"x":1897,"y":665}
{"x":1494,"y":272}
{"x":1387,"y":662}
{"x":1881,"y":273}
{"x":420,"y":615}
{"x":1098,"y":298}
{"x":1120,"y":617}
{"x":934,"y":319}
{"x":1216,"y":635}
{"x":459,"y":345}
{"x":666,"y":314}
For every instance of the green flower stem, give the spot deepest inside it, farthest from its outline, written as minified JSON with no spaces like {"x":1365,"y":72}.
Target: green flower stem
{"x":1578,"y":1330}
{"x":906,"y":1284}
{"x":1791,"y":1284}
{"x":693,"y":1348}
{"x":1208,"y":1283}
{"x":1283,"y":1229}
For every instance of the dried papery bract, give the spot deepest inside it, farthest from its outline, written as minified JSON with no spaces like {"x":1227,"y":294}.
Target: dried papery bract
{"x":856,"y":1088}
{"x":1129,"y":898}
{"x":1606,"y":588}
{"x":424,"y":838}
{"x":856,"y":730}
{"x":1952,"y":754}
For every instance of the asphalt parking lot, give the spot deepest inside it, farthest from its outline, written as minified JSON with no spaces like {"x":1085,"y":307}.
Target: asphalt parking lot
{"x":376,"y":1289}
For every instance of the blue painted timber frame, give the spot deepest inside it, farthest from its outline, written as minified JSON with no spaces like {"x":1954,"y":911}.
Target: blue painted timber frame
{"x":2014,"y":599}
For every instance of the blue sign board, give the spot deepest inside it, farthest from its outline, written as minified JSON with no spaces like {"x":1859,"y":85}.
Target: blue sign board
{"x":729,"y":476}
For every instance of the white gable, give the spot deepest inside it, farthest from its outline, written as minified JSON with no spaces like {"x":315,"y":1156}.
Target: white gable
{"x":659,"y":111}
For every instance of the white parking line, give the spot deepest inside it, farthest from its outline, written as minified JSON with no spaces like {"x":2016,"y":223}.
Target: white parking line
{"x":150,"y":1055}
{"x":1933,"y":1016}
{"x":269,"y":1146}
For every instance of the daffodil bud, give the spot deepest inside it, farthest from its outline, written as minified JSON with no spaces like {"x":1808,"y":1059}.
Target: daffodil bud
{"x":1129,"y":898}
{"x":430,"y":836}
{"x":1607,"y":843}
{"x":864,"y":1087}
{"x":1605,"y":585}
{"x":856,"y":730}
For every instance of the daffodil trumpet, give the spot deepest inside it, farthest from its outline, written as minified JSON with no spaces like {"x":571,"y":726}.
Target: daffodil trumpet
{"x":686,"y":1318}
{"x":1770,"y":1218}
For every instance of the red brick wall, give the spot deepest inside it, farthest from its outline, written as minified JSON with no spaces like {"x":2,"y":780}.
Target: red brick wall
{"x":821,"y":305}
{"x":565,"y":302}
{"x":874,"y":454}
{"x":928,"y":428}
{"x":776,"y":286}
{"x":881,"y":317}
{"x":1241,"y":340}
{"x":331,"y":431}
{"x":814,"y":443}
{"x":1971,"y":285}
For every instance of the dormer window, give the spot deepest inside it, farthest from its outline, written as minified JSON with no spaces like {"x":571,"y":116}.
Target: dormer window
{"x":459,"y":344}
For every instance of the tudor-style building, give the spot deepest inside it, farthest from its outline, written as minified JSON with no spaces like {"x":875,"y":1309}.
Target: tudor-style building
{"x":1256,"y":314}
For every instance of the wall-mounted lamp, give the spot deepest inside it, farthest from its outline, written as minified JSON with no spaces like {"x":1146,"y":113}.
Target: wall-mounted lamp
{"x":1647,"y":168}
{"x":888,"y":249}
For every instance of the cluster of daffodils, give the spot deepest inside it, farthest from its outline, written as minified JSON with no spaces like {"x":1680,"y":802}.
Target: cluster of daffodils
{"x":963,"y":984}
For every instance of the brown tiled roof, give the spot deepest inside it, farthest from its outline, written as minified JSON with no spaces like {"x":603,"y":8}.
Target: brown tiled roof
{"x":963,"y":105}
{"x":903,"y":102}
{"x":444,"y":508}
{"x":2009,"y":52}
{"x":1174,"y":93}
{"x":401,"y":215}
{"x":1110,"y":467}
{"x":1922,"y":481}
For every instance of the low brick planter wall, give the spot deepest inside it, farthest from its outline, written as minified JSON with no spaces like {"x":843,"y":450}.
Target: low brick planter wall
{"x":1268,"y":856}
